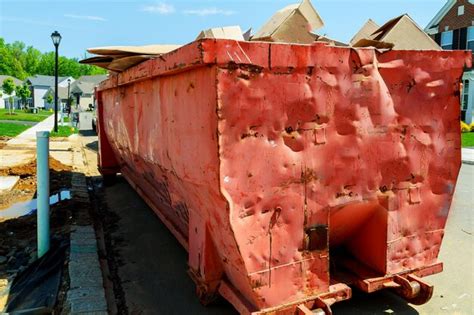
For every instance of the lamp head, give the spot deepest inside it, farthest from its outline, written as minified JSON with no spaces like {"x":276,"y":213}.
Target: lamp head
{"x":56,"y":37}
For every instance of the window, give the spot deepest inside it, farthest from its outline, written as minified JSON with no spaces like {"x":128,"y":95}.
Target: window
{"x":447,"y":40}
{"x":461,"y":10}
{"x":465,"y":95}
{"x":470,"y":38}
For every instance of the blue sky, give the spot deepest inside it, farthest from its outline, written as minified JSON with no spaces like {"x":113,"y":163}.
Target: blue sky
{"x":90,"y":23}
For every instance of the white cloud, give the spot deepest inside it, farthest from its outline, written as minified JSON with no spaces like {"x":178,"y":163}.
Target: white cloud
{"x":160,"y":8}
{"x":209,"y":11}
{"x":85,"y":17}
{"x":13,"y":19}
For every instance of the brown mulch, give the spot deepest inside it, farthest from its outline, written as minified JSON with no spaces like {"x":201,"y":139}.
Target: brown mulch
{"x":25,"y":189}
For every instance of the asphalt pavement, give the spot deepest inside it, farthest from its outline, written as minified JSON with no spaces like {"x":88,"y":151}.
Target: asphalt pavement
{"x":152,"y":265}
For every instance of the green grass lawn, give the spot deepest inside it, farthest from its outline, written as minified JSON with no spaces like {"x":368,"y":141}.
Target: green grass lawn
{"x":12,"y":130}
{"x":467,"y":139}
{"x":63,"y":131}
{"x":19,"y":114}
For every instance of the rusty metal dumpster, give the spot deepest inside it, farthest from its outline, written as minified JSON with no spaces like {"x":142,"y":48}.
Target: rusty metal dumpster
{"x":292,"y":173}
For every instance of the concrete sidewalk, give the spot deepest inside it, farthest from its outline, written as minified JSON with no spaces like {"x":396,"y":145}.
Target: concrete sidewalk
{"x":22,"y":148}
{"x":29,"y":135}
{"x":468,"y":156}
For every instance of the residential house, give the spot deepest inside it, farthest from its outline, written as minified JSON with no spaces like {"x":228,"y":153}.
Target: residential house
{"x":62,"y":97}
{"x":40,"y":84}
{"x":83,"y":91}
{"x":5,"y":98}
{"x":80,"y":92}
{"x":453,"y":29}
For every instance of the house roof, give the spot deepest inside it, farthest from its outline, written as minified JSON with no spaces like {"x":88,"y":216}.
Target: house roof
{"x":96,"y":79}
{"x":83,"y":87}
{"x":395,"y":32}
{"x":87,"y":83}
{"x":15,"y":80}
{"x":44,"y":80}
{"x":365,"y":32}
{"x":433,"y":24}
{"x":62,"y":93}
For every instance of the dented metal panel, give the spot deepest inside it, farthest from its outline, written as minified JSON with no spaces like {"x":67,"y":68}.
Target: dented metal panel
{"x":268,"y":160}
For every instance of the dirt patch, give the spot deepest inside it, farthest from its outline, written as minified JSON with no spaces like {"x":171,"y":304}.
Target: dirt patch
{"x":59,"y":139}
{"x":18,"y":248}
{"x":3,"y":141}
{"x":25,"y":189}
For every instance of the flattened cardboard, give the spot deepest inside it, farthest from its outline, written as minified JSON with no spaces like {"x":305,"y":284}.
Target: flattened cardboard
{"x":365,"y":32}
{"x":291,"y":31}
{"x":136,"y":50}
{"x":226,"y":32}
{"x":292,"y":24}
{"x":373,"y":43}
{"x":402,"y":33}
{"x":330,"y":41}
{"x":122,"y":64}
{"x":405,"y":34}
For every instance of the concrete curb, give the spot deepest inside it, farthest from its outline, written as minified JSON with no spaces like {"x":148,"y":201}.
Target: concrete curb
{"x":86,"y":294}
{"x":467,"y":156}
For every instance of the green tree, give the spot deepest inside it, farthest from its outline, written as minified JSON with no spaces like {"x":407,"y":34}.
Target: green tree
{"x":9,"y":65}
{"x":20,"y":61}
{"x":8,"y":87}
{"x":30,"y":60}
{"x":23,"y":92}
{"x":49,"y":98}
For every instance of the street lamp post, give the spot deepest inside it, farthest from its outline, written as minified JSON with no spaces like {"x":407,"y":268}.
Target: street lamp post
{"x":68,"y":96}
{"x":56,"y":37}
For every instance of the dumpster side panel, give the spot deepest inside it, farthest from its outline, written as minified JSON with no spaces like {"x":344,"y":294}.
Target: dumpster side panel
{"x":263,"y":181}
{"x":164,"y":131}
{"x":106,"y":158}
{"x":426,"y":93}
{"x":153,"y":122}
{"x":330,"y":146}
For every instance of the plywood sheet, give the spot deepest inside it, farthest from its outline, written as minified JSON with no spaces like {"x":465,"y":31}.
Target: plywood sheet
{"x":137,"y":50}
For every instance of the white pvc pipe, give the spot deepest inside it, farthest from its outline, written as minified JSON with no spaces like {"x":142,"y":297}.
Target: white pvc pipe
{"x":42,"y":177}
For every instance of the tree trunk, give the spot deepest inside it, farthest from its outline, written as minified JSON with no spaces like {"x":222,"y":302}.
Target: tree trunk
{"x":10,"y":109}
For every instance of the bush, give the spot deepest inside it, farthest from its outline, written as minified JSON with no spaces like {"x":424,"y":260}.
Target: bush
{"x":465,"y":127}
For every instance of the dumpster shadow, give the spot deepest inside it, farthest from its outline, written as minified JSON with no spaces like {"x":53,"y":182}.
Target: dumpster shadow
{"x":90,"y":144}
{"x":381,"y":302}
{"x":151,"y":266}
{"x":87,"y":133}
{"x":94,"y":146}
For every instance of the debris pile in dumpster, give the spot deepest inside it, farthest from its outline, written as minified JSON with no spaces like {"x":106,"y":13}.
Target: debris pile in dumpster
{"x":292,"y":172}
{"x":295,"y":23}
{"x":292,"y":24}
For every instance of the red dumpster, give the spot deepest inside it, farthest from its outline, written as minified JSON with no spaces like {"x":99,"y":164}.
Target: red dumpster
{"x":292,"y":173}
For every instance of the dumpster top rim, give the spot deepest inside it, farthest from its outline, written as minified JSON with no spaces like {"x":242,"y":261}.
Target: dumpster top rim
{"x":229,"y":53}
